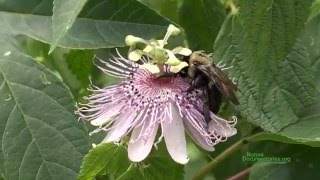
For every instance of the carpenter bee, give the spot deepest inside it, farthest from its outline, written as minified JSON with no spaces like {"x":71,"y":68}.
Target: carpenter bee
{"x":209,"y":78}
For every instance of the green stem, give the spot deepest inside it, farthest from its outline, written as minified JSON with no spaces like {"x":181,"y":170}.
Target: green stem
{"x":224,"y":155}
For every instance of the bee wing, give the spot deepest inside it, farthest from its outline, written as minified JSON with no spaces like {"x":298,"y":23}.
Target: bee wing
{"x":221,"y":81}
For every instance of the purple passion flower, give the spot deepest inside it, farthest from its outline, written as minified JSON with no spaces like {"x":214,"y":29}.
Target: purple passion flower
{"x":142,"y":103}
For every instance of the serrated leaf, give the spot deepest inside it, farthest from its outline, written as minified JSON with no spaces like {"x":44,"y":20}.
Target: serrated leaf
{"x":113,"y":159}
{"x":104,"y":158}
{"x":40,"y":136}
{"x":101,"y":24}
{"x":80,"y":64}
{"x":307,"y":129}
{"x":271,"y":68}
{"x":310,"y":39}
{"x":134,"y":173}
{"x":201,"y":21}
{"x":304,"y":131}
{"x":64,"y":15}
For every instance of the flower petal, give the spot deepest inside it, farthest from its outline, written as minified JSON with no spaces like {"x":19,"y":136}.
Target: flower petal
{"x":196,"y":136}
{"x":151,"y":68}
{"x":221,"y":126}
{"x":106,"y":116}
{"x":223,"y":129}
{"x":172,"y":59}
{"x":177,"y":68}
{"x":120,"y":127}
{"x":182,"y":51}
{"x":173,"y":132}
{"x":140,"y":149}
{"x":134,"y":55}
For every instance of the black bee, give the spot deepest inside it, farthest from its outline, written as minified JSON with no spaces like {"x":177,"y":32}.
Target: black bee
{"x":208,"y":77}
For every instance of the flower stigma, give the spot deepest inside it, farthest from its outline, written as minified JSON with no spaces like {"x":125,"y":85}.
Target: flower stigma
{"x":160,"y":55}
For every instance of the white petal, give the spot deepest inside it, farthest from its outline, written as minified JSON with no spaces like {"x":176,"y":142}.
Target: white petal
{"x":196,"y":136}
{"x":140,"y":149}
{"x":174,"y":136}
{"x":119,"y":128}
{"x":148,"y":48}
{"x":151,"y":68}
{"x":106,"y":116}
{"x":134,"y":55}
{"x":177,"y":68}
{"x":222,"y":128}
{"x":182,"y":51}
{"x":172,"y":60}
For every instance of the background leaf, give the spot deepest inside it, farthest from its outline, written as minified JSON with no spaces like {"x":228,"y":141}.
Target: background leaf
{"x":202,"y":21}
{"x":307,"y":129}
{"x":105,"y":158}
{"x":304,"y":164}
{"x":310,"y":39}
{"x":112,"y":159}
{"x":41,"y":137}
{"x":80,"y":63}
{"x":72,"y":66}
{"x":64,"y":15}
{"x":101,"y":24}
{"x":272,"y":68}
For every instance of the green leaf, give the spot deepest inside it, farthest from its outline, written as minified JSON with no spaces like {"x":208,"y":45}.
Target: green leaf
{"x":307,"y":129}
{"x":271,"y":68}
{"x":201,"y":21}
{"x":106,"y":157}
{"x":64,"y":15}
{"x":304,"y":165}
{"x":109,"y":158}
{"x":40,"y":135}
{"x":27,"y":7}
{"x":315,"y":8}
{"x":157,"y":166}
{"x":304,"y":131}
{"x":101,"y":24}
{"x":310,"y":39}
{"x":80,"y":63}
{"x":73,"y":66}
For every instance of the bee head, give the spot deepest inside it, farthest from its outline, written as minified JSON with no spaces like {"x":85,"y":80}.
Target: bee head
{"x":198,"y":58}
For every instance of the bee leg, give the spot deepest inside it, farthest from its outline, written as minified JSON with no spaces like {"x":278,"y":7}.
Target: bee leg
{"x":206,"y":107}
{"x":215,"y":98}
{"x":196,"y":83}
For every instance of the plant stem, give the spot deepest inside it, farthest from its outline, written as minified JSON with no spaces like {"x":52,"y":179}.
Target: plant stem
{"x":225,"y":154}
{"x":241,"y":175}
